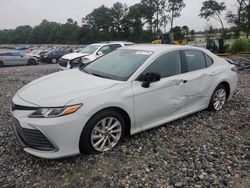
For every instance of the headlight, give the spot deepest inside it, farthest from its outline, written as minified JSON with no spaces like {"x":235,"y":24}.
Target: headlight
{"x":55,"y":112}
{"x":85,"y":60}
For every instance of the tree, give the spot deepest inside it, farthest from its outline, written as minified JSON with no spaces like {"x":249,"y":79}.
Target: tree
{"x":213,"y":9}
{"x":192,"y":33}
{"x":118,"y":11}
{"x":178,"y":33}
{"x":185,"y":29}
{"x":237,"y":18}
{"x":23,"y":34}
{"x":100,"y":18}
{"x":132,"y":23}
{"x":175,"y":7}
{"x":152,"y":11}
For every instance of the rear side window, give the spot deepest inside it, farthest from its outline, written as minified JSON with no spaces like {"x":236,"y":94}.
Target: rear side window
{"x":195,"y":60}
{"x":208,"y":60}
{"x":5,"y":54}
{"x":115,"y":46}
{"x":166,"y":65}
{"x":128,"y":44}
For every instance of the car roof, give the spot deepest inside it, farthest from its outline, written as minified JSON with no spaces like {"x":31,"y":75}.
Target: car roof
{"x":160,"y":47}
{"x":112,"y":42}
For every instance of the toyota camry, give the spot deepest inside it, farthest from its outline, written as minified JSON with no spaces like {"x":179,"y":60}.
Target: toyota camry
{"x":125,"y":92}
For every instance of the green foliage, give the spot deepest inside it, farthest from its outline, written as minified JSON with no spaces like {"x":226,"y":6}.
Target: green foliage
{"x":138,"y":23}
{"x":175,"y":7}
{"x":240,"y":45}
{"x":213,"y":9}
{"x":178,"y":33}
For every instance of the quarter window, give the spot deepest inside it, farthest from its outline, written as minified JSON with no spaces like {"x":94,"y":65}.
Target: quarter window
{"x":195,"y":60}
{"x":166,"y":65}
{"x":208,"y":60}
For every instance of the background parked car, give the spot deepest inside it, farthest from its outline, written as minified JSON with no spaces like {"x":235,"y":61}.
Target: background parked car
{"x":89,"y":53}
{"x":16,"y":58}
{"x":53,"y":56}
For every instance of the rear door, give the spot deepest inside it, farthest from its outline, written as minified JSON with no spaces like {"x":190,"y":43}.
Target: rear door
{"x":199,"y":78}
{"x":7,"y":58}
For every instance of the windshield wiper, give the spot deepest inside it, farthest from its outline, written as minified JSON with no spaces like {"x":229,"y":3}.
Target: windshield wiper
{"x":102,"y":76}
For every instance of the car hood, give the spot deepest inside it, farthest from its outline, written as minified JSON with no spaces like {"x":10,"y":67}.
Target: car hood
{"x":58,"y":89}
{"x":72,"y":56}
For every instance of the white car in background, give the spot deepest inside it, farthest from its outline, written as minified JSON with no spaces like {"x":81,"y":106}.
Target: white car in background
{"x":125,"y":92}
{"x":89,"y":53}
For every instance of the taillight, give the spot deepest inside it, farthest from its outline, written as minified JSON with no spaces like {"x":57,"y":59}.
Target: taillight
{"x":235,"y":69}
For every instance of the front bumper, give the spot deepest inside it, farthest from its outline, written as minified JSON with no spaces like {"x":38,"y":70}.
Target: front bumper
{"x":62,"y":134}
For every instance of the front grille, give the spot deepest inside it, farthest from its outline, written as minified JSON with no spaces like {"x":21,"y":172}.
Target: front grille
{"x":33,"y":138}
{"x":63,"y":62}
{"x":19,"y":107}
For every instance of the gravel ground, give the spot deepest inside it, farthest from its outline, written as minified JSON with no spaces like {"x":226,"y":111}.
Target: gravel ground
{"x":202,"y":150}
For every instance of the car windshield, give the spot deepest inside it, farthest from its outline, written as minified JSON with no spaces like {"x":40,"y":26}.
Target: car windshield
{"x":89,"y":49}
{"x":119,"y":64}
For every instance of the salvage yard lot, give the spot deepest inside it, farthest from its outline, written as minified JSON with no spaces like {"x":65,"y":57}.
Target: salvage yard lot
{"x":204,"y":149}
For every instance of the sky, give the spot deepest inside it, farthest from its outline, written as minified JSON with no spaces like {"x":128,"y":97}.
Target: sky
{"x":14,"y":13}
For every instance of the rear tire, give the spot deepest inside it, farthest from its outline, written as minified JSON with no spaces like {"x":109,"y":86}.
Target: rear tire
{"x":54,"y":60}
{"x":218,"y":98}
{"x":102,"y":132}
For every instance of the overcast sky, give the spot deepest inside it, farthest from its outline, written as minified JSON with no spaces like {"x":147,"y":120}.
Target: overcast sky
{"x":31,"y":12}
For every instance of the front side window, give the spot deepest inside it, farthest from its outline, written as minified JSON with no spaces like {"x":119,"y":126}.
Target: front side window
{"x":119,"y":64}
{"x":166,"y":65}
{"x":105,"y":49}
{"x":90,"y":49}
{"x":195,"y":60}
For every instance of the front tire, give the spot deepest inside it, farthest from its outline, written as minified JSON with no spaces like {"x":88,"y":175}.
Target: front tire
{"x":102,"y":132}
{"x":218,"y":99}
{"x":32,"y":62}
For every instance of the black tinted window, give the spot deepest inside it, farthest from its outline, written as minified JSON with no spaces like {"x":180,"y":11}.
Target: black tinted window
{"x":208,"y":60}
{"x":166,"y":65}
{"x":195,"y":60}
{"x":115,"y":46}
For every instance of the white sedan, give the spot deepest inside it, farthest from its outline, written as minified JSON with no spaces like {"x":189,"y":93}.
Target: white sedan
{"x":125,"y":92}
{"x":16,"y":58}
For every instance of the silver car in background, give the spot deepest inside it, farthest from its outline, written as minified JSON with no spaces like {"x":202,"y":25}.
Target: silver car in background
{"x":16,"y":58}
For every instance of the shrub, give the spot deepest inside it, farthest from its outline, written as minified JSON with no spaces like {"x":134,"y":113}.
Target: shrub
{"x":240,"y":45}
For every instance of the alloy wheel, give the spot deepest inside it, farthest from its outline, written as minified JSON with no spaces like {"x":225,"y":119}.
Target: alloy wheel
{"x":106,"y":134}
{"x":219,"y":99}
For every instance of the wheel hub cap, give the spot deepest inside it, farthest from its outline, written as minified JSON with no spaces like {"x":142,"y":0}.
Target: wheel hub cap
{"x":219,"y":99}
{"x":106,"y":134}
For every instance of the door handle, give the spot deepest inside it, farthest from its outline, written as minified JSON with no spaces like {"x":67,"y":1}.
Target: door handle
{"x":179,"y":82}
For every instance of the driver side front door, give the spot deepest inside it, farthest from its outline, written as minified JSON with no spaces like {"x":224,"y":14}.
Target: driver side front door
{"x":164,"y":99}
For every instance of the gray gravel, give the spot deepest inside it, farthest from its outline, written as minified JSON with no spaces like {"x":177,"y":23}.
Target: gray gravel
{"x":202,"y":150}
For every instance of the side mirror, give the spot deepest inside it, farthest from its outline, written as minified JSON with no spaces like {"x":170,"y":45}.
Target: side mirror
{"x":149,"y":78}
{"x":99,"y":53}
